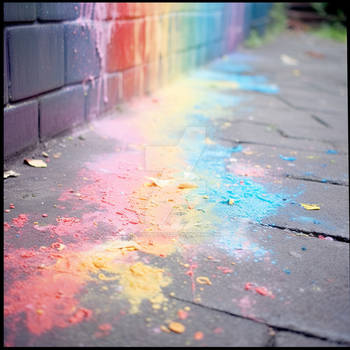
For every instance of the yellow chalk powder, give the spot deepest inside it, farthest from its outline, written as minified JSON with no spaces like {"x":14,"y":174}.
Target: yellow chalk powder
{"x":139,"y":282}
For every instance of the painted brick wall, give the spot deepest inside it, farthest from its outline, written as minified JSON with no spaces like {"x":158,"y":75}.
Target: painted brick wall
{"x":67,"y":63}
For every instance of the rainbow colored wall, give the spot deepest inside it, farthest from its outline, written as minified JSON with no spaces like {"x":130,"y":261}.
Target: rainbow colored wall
{"x":82,"y":59}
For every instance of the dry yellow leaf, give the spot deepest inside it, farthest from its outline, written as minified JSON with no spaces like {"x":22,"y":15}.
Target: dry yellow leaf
{"x":186,"y":185}
{"x":10,"y":173}
{"x":36,"y":163}
{"x":203,"y":280}
{"x":310,"y":206}
{"x":176,"y":327}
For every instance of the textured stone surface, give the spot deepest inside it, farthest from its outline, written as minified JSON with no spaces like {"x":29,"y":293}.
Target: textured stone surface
{"x":19,"y":12}
{"x":6,"y":93}
{"x":21,"y":125}
{"x":81,"y":55}
{"x":61,"y":110}
{"x":36,"y":59}
{"x":48,"y":11}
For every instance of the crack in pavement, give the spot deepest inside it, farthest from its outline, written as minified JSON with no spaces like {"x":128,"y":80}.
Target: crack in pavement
{"x":263,"y":322}
{"x":331,"y":182}
{"x":284,"y":134}
{"x":237,"y":141}
{"x":321,"y":121}
{"x":285,"y":101}
{"x":307,"y":233}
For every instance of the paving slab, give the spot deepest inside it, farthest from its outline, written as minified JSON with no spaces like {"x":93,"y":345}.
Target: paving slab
{"x":282,"y":265}
{"x":260,"y":160}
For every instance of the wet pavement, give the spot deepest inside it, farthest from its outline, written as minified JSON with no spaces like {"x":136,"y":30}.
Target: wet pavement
{"x":212,"y":213}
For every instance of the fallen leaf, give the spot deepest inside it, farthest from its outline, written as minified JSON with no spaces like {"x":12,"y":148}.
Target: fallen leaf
{"x":36,"y":163}
{"x":57,"y":155}
{"x":315,"y":54}
{"x":310,"y":206}
{"x":158,"y":182}
{"x":209,"y":141}
{"x":129,"y":245}
{"x":164,"y":329}
{"x":289,"y":61}
{"x":176,"y":327}
{"x":186,"y":185}
{"x":203,"y":280}
{"x":10,"y":173}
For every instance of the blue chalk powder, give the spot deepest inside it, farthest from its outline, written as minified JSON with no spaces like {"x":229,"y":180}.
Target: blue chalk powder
{"x":290,"y":159}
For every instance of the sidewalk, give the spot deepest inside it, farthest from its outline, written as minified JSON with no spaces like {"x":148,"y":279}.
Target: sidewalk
{"x":178,"y":219}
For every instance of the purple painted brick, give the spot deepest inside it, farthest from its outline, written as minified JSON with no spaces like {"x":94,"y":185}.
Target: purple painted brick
{"x":58,"y":11}
{"x":61,"y":110}
{"x":36,"y":59}
{"x":81,"y":58}
{"x":19,"y":11}
{"x":20,"y":127}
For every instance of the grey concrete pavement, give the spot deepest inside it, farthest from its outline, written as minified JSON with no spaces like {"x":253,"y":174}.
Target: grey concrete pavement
{"x":102,"y":248}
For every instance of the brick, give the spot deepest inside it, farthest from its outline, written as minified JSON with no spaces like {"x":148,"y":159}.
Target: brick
{"x":153,"y":39}
{"x":20,"y":127}
{"x":58,"y":11}
{"x":19,"y":11}
{"x":126,"y":46}
{"x":121,"y":48}
{"x":6,"y":96}
{"x":103,"y":95}
{"x":36,"y":59}
{"x":151,"y":72}
{"x":133,"y":83}
{"x":81,"y":56}
{"x":114,"y":90}
{"x":94,"y":99}
{"x":61,"y":110}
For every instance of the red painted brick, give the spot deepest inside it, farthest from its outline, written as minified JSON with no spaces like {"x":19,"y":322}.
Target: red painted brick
{"x":130,"y":9}
{"x":126,"y":46}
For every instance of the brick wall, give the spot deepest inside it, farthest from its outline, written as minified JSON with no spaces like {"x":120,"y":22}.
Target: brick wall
{"x":68,"y":63}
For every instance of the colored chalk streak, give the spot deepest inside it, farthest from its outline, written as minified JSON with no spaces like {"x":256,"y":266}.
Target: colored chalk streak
{"x":153,"y":186}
